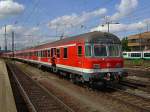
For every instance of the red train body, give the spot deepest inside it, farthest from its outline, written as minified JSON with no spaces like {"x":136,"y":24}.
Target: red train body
{"x":90,"y":57}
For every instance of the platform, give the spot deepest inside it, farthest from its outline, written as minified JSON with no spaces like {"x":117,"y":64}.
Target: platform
{"x":7,"y":102}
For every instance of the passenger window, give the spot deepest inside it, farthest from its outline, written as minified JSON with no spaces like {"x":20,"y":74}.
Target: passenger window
{"x":52,"y":53}
{"x":45,"y":53}
{"x":124,"y":54}
{"x":146,"y":54}
{"x":37,"y":53}
{"x":136,"y":55}
{"x":58,"y":53}
{"x":55,"y":51}
{"x":48,"y":53}
{"x":79,"y":51}
{"x":65,"y":53}
{"x":41,"y":53}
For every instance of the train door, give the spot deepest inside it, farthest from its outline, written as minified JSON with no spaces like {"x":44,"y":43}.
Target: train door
{"x":48,"y":55}
{"x":39,"y":55}
{"x":53,"y":59}
{"x":80,"y":57}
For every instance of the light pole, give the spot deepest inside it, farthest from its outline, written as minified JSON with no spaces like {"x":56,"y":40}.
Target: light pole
{"x":13,"y":43}
{"x":108,"y":22}
{"x":140,"y":39}
{"x":108,"y":25}
{"x":5,"y":39}
{"x":147,"y":27}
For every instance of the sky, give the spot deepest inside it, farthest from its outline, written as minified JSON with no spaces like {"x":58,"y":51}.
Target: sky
{"x":39,"y":21}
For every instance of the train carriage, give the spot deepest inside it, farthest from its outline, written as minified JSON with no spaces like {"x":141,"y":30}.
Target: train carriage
{"x":137,"y":55}
{"x":90,"y":57}
{"x":146,"y":55}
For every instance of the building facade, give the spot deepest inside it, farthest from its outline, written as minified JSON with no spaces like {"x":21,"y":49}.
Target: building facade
{"x":139,"y":42}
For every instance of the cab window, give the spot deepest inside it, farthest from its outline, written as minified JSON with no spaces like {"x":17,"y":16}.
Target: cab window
{"x":100,"y":50}
{"x":88,"y":50}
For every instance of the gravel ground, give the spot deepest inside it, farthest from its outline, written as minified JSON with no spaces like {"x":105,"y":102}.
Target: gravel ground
{"x":78,"y":98}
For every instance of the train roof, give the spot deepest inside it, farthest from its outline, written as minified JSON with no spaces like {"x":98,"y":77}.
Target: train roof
{"x":95,"y":36}
{"x":91,"y":37}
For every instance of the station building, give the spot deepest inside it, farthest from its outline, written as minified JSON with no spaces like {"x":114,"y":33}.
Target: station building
{"x":139,"y":42}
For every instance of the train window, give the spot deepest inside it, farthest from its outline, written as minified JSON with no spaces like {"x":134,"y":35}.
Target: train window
{"x":100,"y":50}
{"x":52,"y":52}
{"x":48,"y":53}
{"x":79,"y":50}
{"x":55,"y":51}
{"x":37,"y":53}
{"x":65,"y":53}
{"x":114,"y":50}
{"x":41,"y":53}
{"x":29,"y":53}
{"x":45,"y":53}
{"x":124,"y":54}
{"x":58,"y":53}
{"x":146,"y":54}
{"x":34,"y":53}
{"x":135,"y":54}
{"x":88,"y":50}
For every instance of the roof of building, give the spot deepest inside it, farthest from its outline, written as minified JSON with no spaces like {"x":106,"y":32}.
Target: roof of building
{"x":142,"y":35}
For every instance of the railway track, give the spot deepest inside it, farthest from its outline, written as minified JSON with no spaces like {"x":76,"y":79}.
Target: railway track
{"x":38,"y":98}
{"x":132,"y":84}
{"x":131,"y":99}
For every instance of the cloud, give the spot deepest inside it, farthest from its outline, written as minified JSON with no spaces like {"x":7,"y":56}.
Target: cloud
{"x":23,"y":36}
{"x":9,"y":8}
{"x":123,"y":27}
{"x":72,"y":20}
{"x":125,"y":8}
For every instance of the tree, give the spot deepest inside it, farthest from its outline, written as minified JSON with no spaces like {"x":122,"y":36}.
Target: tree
{"x":124,"y":43}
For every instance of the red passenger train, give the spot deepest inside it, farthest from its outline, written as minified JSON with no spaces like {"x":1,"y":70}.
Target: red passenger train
{"x":89,"y":57}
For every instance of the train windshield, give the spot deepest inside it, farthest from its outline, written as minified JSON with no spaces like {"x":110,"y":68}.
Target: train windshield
{"x":103,"y":50}
{"x":100,"y":50}
{"x":114,"y":50}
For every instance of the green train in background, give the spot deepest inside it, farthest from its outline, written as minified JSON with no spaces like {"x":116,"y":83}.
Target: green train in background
{"x":137,"y":55}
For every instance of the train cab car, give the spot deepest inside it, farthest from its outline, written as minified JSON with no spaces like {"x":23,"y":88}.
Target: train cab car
{"x":102,"y":59}
{"x":125,"y":55}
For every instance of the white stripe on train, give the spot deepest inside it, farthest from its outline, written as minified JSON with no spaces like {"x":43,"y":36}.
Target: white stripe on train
{"x":84,"y":70}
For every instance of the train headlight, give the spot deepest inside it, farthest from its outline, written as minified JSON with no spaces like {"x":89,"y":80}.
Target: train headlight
{"x":96,"y":66}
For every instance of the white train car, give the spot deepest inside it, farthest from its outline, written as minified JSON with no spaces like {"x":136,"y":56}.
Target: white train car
{"x":146,"y":55}
{"x":133,"y":55}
